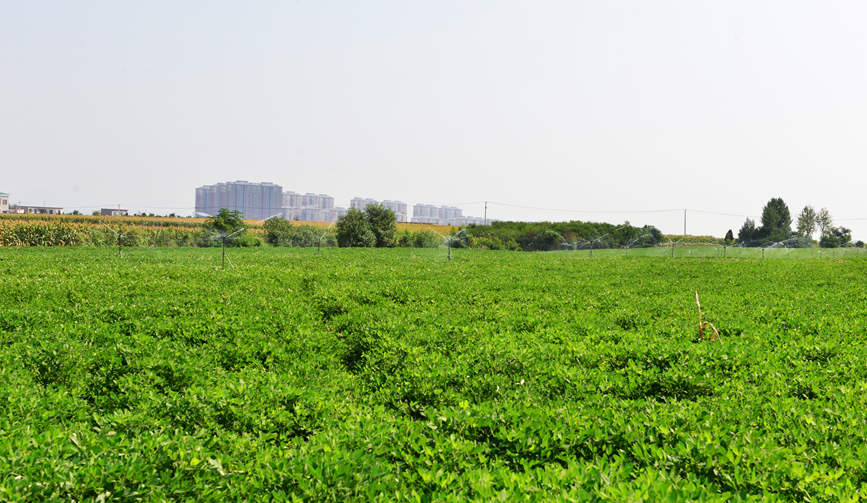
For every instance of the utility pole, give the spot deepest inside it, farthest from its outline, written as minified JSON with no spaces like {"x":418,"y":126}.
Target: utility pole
{"x":684,"y":222}
{"x":486,"y":213}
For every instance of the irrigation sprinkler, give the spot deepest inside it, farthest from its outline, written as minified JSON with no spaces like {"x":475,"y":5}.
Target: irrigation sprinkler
{"x":450,"y":242}
{"x":319,"y":244}
{"x":119,"y":238}
{"x":223,"y":237}
{"x":672,"y":244}
{"x":580,"y":242}
{"x":599,"y":239}
{"x":784,"y":244}
{"x":629,"y":244}
{"x":449,"y":239}
{"x":569,"y":245}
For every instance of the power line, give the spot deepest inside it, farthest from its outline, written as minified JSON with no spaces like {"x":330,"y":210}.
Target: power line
{"x":583,"y":211}
{"x":722,"y":214}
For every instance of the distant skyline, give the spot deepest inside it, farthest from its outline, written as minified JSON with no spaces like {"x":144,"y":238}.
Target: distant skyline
{"x":560,"y":110}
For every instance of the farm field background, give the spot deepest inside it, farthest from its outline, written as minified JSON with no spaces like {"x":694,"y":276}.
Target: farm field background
{"x":372,"y":374}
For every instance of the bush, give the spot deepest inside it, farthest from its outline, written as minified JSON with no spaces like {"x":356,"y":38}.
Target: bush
{"x":383,"y":224}
{"x":279,"y":232}
{"x":418,"y":239}
{"x":546,"y":241}
{"x":353,"y":230}
{"x":375,"y":226}
{"x":484,"y":243}
{"x":836,"y":237}
{"x":225,"y":222}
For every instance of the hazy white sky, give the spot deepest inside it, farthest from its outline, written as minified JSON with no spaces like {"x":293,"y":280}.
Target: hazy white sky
{"x":612,"y":109}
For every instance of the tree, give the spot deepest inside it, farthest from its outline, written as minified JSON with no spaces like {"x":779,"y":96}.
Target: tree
{"x":824,"y":222}
{"x":835,"y":237}
{"x":776,"y":220}
{"x":807,"y":221}
{"x":547,"y":240}
{"x":383,"y":224}
{"x":225,"y":222}
{"x":353,"y":230}
{"x":748,"y":232}
{"x":729,"y":237}
{"x":278,"y":232}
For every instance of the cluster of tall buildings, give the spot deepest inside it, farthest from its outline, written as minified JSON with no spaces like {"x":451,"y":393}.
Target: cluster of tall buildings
{"x":442,"y":215}
{"x":310,"y":207}
{"x":399,"y":208}
{"x":264,"y":200}
{"x":254,"y":200}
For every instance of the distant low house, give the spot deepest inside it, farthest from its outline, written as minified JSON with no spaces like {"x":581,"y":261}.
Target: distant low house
{"x":113,"y":212}
{"x":40,"y":210}
{"x":4,"y":202}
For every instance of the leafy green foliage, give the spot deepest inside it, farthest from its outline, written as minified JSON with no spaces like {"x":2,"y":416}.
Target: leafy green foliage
{"x":835,"y":237}
{"x":401,"y":376}
{"x":418,"y":239}
{"x":225,"y":222}
{"x":375,"y":226}
{"x":353,"y":230}
{"x":383,"y":224}
{"x":280,"y":232}
{"x":776,"y":221}
{"x":748,"y":232}
{"x":547,"y":236}
{"x":807,"y":221}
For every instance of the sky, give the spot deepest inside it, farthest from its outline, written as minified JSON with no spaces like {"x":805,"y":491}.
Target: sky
{"x":555,"y":110}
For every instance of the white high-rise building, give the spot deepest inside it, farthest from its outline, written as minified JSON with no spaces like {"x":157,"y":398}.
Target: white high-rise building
{"x":442,"y":215}
{"x":360,"y":203}
{"x":256,"y":201}
{"x":309,"y":207}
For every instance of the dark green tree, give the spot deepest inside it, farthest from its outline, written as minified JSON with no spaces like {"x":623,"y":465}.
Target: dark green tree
{"x":729,"y":239}
{"x":547,"y":240}
{"x":353,"y":230}
{"x":748,"y":232}
{"x":776,"y":221}
{"x":836,"y":237}
{"x":280,"y":232}
{"x":225,"y":222}
{"x":383,"y":224}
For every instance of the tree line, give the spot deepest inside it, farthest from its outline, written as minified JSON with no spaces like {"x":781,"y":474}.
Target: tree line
{"x":776,"y":227}
{"x":376,"y":226}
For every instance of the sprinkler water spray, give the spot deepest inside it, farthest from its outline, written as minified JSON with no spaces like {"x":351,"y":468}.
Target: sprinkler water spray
{"x":319,"y":244}
{"x":629,"y":244}
{"x":119,"y":237}
{"x":223,"y":237}
{"x":449,"y":240}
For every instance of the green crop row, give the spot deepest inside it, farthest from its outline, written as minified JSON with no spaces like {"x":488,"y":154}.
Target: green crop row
{"x":399,"y":375}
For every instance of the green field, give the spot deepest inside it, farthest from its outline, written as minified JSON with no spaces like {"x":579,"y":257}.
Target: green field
{"x":375,"y":374}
